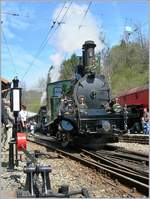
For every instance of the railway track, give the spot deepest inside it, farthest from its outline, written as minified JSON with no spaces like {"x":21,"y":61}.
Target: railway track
{"x":140,"y":139}
{"x":111,"y":165}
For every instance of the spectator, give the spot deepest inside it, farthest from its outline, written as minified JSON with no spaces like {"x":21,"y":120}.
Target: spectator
{"x":32,"y":127}
{"x":111,"y":103}
{"x":108,"y":108}
{"x":64,"y":106}
{"x":116,"y":106}
{"x":82,"y":102}
{"x":7,"y":124}
{"x":145,"y":122}
{"x":23,"y":117}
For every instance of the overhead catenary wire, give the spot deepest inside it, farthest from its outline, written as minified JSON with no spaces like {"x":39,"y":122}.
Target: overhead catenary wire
{"x":45,"y":38}
{"x":49,"y":36}
{"x":42,"y":45}
{"x":85,"y":14}
{"x":14,"y":14}
{"x":9,"y":13}
{"x":10,"y":54}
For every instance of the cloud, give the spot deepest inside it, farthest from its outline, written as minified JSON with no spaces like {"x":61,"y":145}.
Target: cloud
{"x":73,"y":32}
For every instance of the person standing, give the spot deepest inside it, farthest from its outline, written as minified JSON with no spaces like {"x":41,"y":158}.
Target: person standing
{"x":145,"y":121}
{"x":32,"y":126}
{"x":7,"y":124}
{"x":23,"y":117}
{"x":82,"y":104}
{"x":116,"y":106}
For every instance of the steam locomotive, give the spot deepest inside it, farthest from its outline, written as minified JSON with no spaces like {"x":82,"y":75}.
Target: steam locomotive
{"x":76,"y":110}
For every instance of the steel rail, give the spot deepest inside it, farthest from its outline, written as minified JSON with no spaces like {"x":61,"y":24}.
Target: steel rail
{"x":113,"y":163}
{"x":115,"y":166}
{"x":122,"y":170}
{"x":133,"y":166}
{"x":134,"y":152}
{"x":125,"y":154}
{"x":141,"y":168}
{"x":128,"y":181}
{"x":132,"y":140}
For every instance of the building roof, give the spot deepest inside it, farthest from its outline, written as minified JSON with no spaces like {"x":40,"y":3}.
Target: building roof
{"x":5,"y":86}
{"x":5,"y":81}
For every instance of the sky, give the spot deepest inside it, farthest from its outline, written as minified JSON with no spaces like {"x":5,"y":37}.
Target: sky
{"x":32,"y":41}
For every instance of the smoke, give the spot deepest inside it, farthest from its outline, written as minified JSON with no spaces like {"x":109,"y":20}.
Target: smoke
{"x":43,"y":99}
{"x":56,"y":59}
{"x":73,"y":32}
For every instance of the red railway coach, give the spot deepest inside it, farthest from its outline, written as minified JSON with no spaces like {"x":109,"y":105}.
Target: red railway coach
{"x":135,"y":96}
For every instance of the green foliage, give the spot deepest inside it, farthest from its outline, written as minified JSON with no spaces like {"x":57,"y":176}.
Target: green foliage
{"x":32,"y":100}
{"x":68,"y":67}
{"x":125,"y":64}
{"x":129,"y":66}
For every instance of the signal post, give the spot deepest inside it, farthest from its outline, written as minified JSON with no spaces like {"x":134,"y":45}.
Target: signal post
{"x":15,"y":103}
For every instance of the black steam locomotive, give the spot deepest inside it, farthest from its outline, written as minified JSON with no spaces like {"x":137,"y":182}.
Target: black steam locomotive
{"x":77,"y":109}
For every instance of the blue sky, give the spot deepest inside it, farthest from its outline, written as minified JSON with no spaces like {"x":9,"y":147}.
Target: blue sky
{"x":23,"y":34}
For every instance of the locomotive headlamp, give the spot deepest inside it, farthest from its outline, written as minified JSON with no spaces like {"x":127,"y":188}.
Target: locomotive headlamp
{"x":66,"y":125}
{"x":106,"y":126}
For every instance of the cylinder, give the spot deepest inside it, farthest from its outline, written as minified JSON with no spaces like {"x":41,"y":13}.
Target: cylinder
{"x":88,"y":55}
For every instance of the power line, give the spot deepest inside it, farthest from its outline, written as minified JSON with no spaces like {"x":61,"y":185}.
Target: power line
{"x":47,"y":39}
{"x":11,"y":57}
{"x":43,"y":44}
{"x":9,"y":13}
{"x":54,"y":21}
{"x":85,"y":14}
{"x":14,"y":14}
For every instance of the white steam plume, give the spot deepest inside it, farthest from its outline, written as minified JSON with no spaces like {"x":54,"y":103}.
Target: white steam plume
{"x":43,"y":99}
{"x":71,"y":34}
{"x":56,"y":59}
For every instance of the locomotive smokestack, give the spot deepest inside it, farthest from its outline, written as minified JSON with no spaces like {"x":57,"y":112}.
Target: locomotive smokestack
{"x":88,"y":56}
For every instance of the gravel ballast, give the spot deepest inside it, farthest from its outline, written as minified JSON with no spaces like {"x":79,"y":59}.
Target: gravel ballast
{"x":64,"y":171}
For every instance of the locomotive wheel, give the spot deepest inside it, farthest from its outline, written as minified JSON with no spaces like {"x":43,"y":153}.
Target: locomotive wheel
{"x":59,"y":136}
{"x":65,"y":139}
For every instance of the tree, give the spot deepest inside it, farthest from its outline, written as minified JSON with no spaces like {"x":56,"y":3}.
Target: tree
{"x":41,"y":84}
{"x":128,"y":66}
{"x":23,"y":97}
{"x":68,"y":67}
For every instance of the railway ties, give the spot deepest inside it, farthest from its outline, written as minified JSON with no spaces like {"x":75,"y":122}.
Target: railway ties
{"x":126,"y":174}
{"x":131,"y":172}
{"x":123,"y":157}
{"x":134,"y":138}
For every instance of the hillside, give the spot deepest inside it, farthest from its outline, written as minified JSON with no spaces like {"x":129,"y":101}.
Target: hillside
{"x":125,"y":65}
{"x":129,"y":67}
{"x":32,"y":99}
